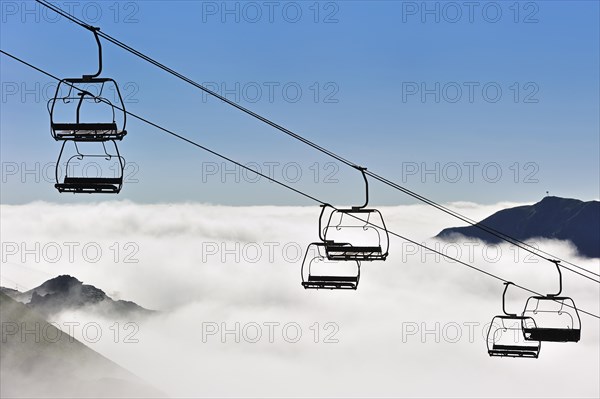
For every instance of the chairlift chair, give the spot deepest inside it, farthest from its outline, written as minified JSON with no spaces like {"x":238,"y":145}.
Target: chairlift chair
{"x":319,"y":272}
{"x":88,"y":131}
{"x":505,"y":336}
{"x":555,"y":317}
{"x":85,"y":184}
{"x":356,"y":233}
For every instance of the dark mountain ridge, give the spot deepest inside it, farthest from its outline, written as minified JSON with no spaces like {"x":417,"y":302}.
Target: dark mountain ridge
{"x":68,"y":293}
{"x":553,"y":217}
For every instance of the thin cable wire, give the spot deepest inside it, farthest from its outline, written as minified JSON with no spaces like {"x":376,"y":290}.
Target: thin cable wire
{"x":159,"y":127}
{"x":505,"y":237}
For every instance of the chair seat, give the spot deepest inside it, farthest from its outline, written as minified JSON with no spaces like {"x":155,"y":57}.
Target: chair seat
{"x":93,"y":180}
{"x":88,"y":131}
{"x":349,"y":252}
{"x":552,"y":334}
{"x":333,"y":278}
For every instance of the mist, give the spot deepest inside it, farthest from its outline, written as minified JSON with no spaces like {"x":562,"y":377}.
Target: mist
{"x":234,"y":319}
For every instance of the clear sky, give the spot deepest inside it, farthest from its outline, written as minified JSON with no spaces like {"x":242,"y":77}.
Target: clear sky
{"x":481,"y":101}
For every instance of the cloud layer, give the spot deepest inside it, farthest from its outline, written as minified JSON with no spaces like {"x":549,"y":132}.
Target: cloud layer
{"x":415,"y":327}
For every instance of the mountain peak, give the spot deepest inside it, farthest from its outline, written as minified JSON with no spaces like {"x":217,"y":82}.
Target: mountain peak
{"x":67,"y":292}
{"x":69,"y":286}
{"x":61,"y":283}
{"x":558,"y":201}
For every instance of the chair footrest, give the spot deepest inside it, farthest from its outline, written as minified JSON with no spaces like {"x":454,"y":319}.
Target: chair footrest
{"x":330,"y":286}
{"x":507,"y":353}
{"x":90,"y":185}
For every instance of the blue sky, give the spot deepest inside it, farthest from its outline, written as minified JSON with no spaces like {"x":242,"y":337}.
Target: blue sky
{"x":361,"y":67}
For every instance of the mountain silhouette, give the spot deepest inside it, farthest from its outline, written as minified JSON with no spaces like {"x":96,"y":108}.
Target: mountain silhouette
{"x":68,"y":293}
{"x":39,"y":360}
{"x":553,"y":217}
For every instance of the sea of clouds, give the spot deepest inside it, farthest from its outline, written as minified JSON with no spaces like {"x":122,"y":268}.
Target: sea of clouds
{"x":234,"y":319}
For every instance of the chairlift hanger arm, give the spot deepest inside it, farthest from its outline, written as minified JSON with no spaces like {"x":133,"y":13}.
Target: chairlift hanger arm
{"x":95,"y":31}
{"x":321,"y":234}
{"x":363,"y":170}
{"x":506,"y":284}
{"x":556,"y":262}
